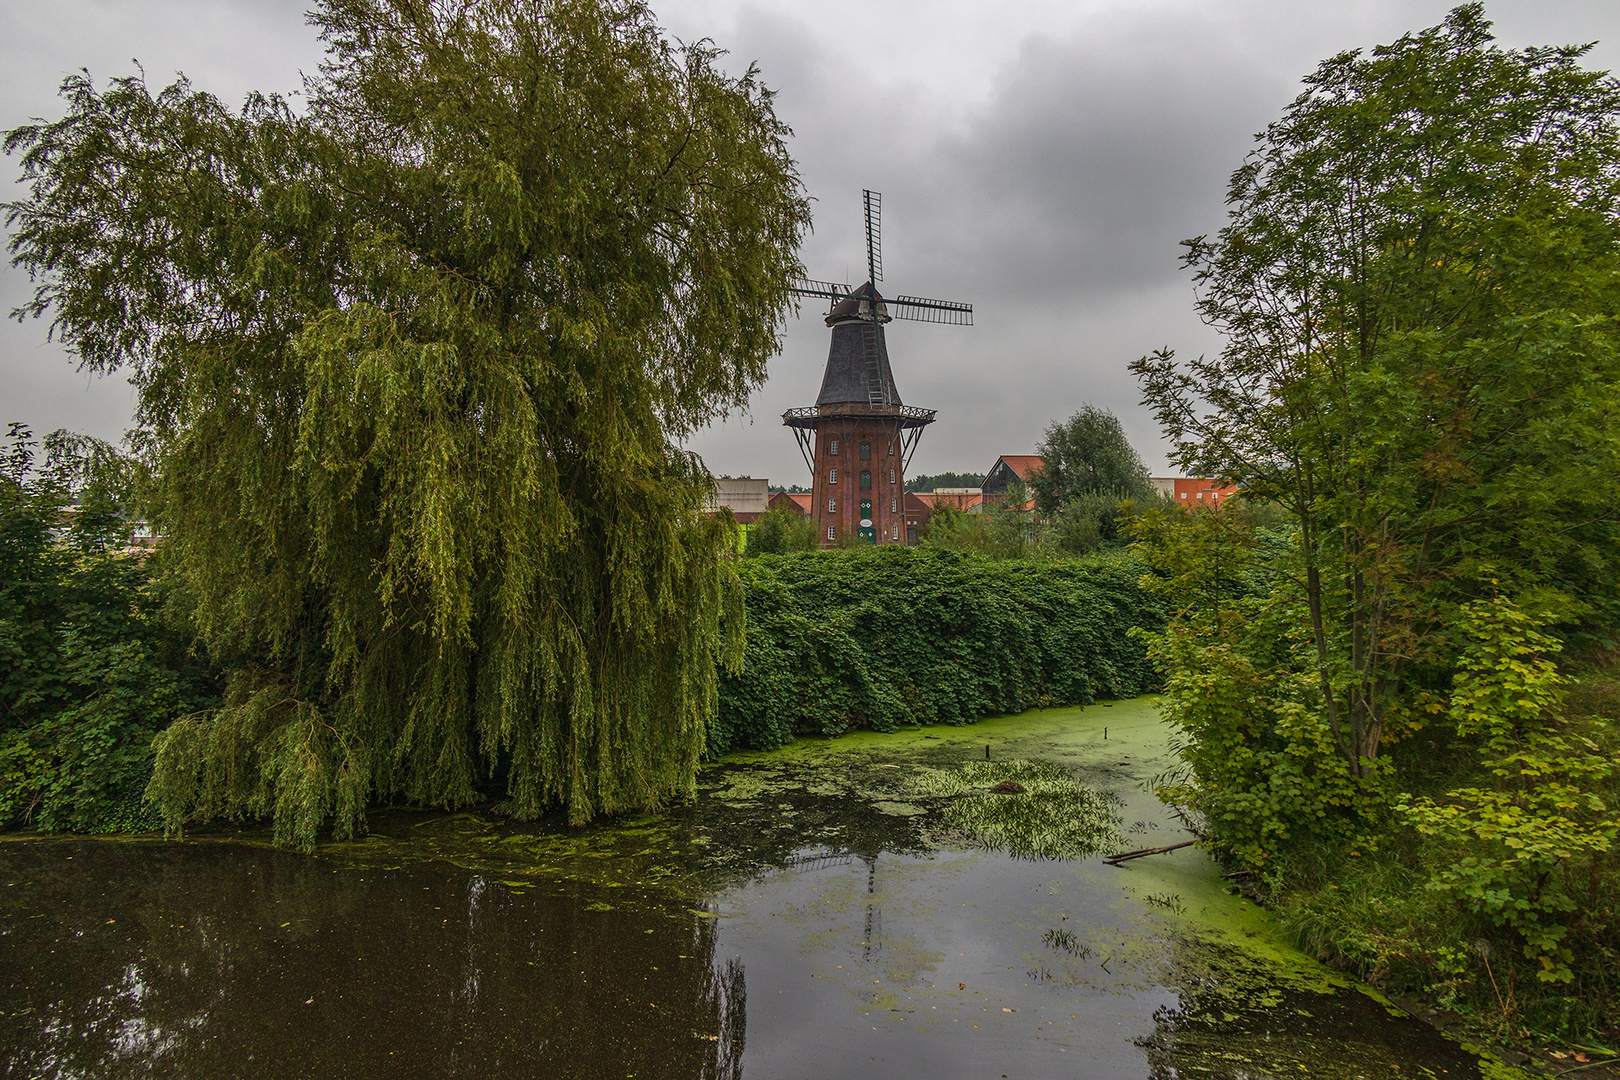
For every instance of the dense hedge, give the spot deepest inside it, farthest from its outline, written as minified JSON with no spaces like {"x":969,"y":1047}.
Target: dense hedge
{"x":894,"y":636}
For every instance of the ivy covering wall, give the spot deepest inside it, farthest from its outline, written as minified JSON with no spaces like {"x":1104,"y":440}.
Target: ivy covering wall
{"x":896,"y":636}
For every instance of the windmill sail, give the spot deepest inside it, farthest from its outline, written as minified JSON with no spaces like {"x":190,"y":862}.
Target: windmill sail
{"x":832,"y":291}
{"x":874,"y":236}
{"x":919,"y":309}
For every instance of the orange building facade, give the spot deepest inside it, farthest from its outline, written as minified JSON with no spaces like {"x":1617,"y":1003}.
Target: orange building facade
{"x":1196,"y":491}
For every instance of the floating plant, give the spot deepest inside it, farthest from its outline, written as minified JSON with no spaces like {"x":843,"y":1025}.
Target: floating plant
{"x":1029,"y":809}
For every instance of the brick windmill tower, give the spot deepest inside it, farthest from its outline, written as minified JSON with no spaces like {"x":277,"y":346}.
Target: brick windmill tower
{"x":858,"y":438}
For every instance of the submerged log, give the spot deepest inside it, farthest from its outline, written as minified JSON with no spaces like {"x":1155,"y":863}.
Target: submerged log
{"x":1124,"y":856}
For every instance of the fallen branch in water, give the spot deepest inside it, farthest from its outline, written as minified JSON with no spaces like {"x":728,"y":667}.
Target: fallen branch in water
{"x":1185,"y":820}
{"x":1115,"y":860}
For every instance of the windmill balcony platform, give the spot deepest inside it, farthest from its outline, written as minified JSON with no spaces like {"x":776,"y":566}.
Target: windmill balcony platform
{"x":808,"y":417}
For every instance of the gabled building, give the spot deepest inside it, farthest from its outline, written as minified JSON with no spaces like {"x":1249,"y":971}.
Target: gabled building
{"x":1007,"y":469}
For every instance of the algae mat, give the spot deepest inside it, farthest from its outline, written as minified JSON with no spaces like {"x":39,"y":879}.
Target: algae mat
{"x":838,"y":908}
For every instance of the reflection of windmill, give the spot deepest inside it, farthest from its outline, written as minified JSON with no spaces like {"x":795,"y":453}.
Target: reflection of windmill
{"x":816,"y":860}
{"x":858,"y":438}
{"x":874,"y":914}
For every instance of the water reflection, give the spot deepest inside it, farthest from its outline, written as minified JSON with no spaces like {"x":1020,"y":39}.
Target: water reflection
{"x":126,"y":960}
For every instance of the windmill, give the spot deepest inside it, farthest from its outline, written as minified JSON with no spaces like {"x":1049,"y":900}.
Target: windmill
{"x":859,"y":437}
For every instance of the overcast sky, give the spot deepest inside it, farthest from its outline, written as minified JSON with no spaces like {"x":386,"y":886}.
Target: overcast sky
{"x":1038,"y":159}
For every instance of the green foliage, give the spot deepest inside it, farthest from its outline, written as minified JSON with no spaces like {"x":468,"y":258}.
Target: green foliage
{"x":1051,"y":818}
{"x":87,"y":674}
{"x":1544,"y":808}
{"x":1418,"y":286}
{"x":886,"y":637}
{"x":931,"y":481}
{"x":996,"y":534}
{"x":782,"y":532}
{"x":1259,"y":764}
{"x":1088,"y":468}
{"x":414,"y":363}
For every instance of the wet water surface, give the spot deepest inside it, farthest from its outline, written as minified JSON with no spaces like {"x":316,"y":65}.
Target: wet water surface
{"x":811,"y":915}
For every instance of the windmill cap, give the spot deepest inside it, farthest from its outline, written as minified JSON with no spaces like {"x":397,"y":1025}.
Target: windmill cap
{"x":856,"y":306}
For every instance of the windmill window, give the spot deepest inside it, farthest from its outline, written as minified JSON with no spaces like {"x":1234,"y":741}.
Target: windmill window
{"x":894,"y":505}
{"x":832,"y":476}
{"x":891,"y":476}
{"x":832,"y":448}
{"x":866,"y":480}
{"x":866,"y":451}
{"x":831,"y":534}
{"x":832,"y":506}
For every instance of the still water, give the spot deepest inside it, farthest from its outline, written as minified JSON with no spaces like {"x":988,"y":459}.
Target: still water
{"x":806,"y":917}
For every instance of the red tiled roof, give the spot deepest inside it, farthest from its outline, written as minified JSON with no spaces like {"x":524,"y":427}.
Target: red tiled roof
{"x":798,"y":500}
{"x":933,"y":500}
{"x":1025,"y":465}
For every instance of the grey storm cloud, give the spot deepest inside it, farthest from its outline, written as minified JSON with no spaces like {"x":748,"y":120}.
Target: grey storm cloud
{"x":1094,"y":159}
{"x":1041,"y":159}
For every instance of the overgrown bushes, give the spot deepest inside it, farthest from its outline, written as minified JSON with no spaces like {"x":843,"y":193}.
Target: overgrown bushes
{"x":895,"y":636}
{"x":1476,"y":863}
{"x":87,"y":672}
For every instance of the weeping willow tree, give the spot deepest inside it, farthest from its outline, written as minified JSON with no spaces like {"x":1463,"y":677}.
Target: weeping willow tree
{"x":414,"y":362}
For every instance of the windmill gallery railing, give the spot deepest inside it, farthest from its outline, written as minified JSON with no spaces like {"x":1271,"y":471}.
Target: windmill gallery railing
{"x":908,"y":422}
{"x":908,"y":416}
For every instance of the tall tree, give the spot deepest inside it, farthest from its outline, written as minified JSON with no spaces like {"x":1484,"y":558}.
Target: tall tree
{"x":413,"y":367}
{"x":1087,"y":454}
{"x":1088,"y":467}
{"x":1418,"y":286}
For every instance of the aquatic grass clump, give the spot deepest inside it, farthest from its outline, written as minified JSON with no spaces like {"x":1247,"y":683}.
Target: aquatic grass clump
{"x":1053,"y":817}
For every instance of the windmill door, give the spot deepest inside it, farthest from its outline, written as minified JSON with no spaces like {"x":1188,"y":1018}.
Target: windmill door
{"x":866,"y":531}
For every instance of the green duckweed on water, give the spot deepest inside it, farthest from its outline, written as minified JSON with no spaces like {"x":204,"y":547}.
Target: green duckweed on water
{"x":1049,"y":815}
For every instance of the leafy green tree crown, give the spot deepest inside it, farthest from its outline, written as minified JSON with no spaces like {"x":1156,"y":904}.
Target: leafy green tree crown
{"x":1418,"y":287}
{"x":1088,"y":454}
{"x":413,"y":364}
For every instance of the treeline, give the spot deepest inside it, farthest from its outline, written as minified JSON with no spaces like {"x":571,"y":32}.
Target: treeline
{"x":931,"y":481}
{"x":882,"y":638}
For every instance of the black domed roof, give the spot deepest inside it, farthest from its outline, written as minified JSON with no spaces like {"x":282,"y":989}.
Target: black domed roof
{"x":858,"y":359}
{"x":858,"y":305}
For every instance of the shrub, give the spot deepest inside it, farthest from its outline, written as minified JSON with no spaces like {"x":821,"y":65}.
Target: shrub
{"x":894,"y":636}
{"x":87,"y":674}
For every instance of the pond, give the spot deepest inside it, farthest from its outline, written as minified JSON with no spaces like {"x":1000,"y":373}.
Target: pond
{"x":819,"y":911}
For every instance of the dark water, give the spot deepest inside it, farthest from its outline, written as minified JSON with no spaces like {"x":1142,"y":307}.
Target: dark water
{"x":769,"y":932}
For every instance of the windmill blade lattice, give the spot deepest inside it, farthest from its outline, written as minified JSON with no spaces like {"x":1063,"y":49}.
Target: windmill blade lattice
{"x":919,"y":309}
{"x":874,"y":236}
{"x":828,"y":290}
